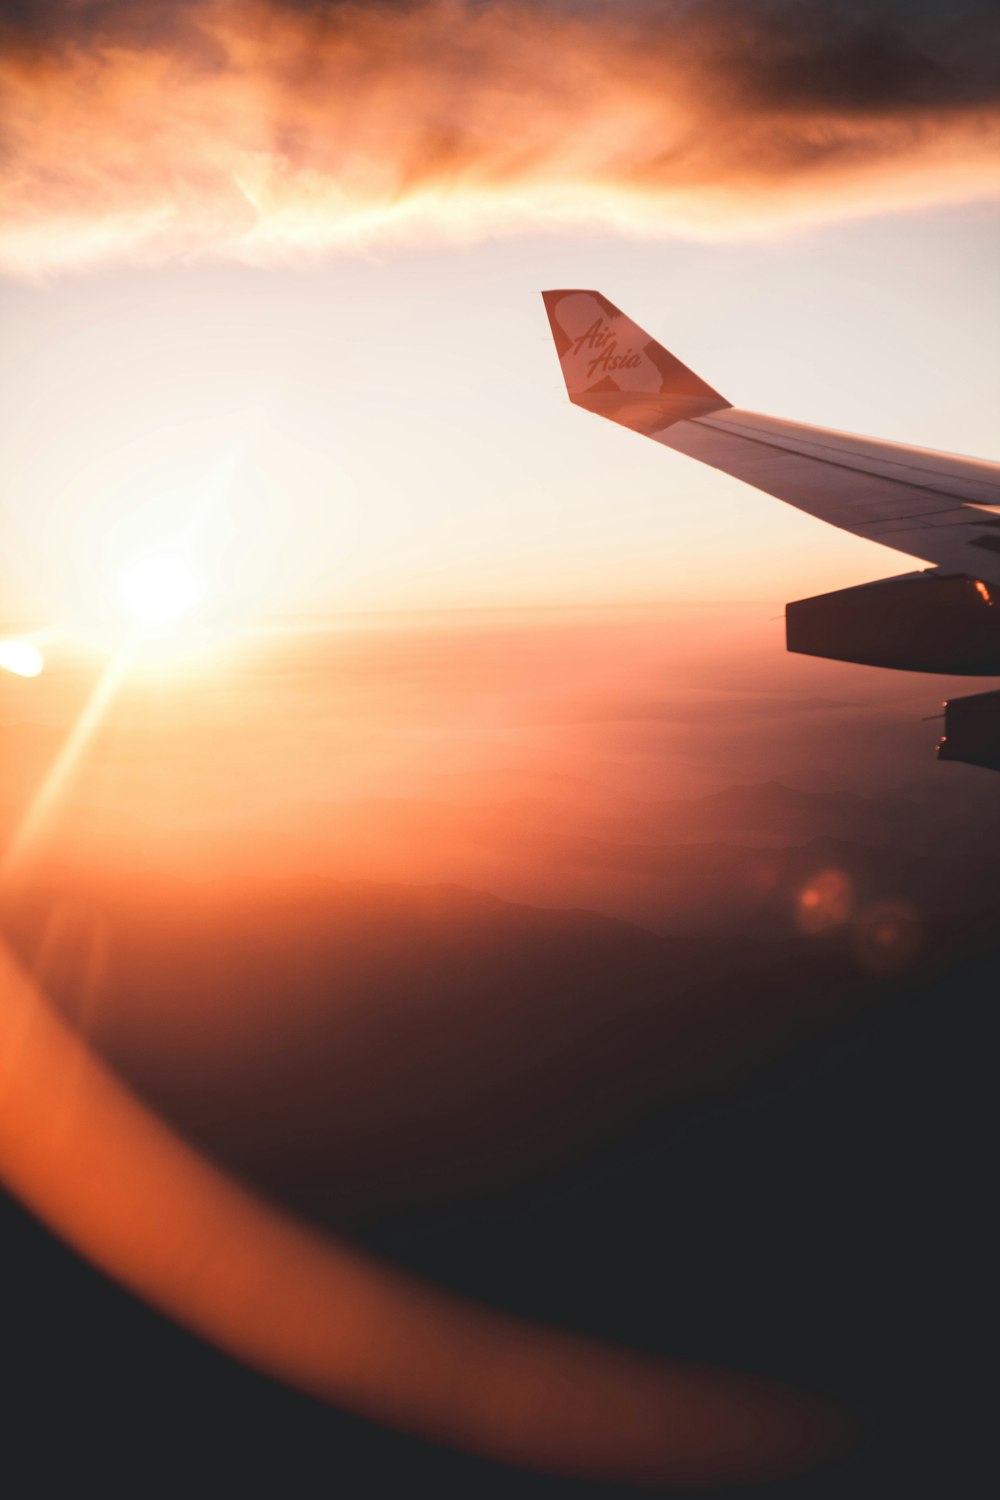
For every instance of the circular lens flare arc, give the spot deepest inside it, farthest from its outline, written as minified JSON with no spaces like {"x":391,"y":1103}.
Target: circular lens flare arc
{"x":81,"y":1151}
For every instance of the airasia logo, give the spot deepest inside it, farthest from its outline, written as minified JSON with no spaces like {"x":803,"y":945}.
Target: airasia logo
{"x":600,"y":341}
{"x":603,"y":346}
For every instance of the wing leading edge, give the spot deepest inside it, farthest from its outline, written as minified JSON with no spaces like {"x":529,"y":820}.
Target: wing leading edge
{"x":918,"y":502}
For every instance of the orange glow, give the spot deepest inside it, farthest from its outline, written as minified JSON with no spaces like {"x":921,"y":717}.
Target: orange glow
{"x":267,"y":132}
{"x":824,"y":902}
{"x":983,"y":591}
{"x":81,"y":1151}
{"x":61,"y":770}
{"x":886,"y":936}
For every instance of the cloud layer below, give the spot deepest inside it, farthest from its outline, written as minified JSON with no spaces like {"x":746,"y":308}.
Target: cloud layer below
{"x":271,"y":131}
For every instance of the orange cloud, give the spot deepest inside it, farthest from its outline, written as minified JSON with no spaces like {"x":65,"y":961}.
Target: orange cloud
{"x":268,"y":131}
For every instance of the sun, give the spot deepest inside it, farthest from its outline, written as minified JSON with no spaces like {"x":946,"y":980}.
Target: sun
{"x":160,"y":588}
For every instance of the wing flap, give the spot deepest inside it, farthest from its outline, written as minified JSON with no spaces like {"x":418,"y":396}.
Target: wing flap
{"x":843,"y":494}
{"x":930,"y":523}
{"x":962,"y":479}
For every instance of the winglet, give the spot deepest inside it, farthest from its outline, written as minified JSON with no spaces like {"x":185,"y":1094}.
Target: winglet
{"x":613,"y":368}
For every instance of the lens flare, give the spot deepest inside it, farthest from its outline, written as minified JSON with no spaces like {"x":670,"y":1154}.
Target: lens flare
{"x":824,"y":902}
{"x":887,"y":936}
{"x":82,"y":1152}
{"x":21,"y":658}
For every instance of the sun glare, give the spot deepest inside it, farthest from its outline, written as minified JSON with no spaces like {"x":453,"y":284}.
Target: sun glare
{"x":21,"y":658}
{"x":160,"y":588}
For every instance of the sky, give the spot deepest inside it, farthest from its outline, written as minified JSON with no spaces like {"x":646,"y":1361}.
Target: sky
{"x":391,"y":432}
{"x":354,"y":404}
{"x":270,"y":277}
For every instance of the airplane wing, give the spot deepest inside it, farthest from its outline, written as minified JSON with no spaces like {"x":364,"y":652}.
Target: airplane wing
{"x":929,"y":505}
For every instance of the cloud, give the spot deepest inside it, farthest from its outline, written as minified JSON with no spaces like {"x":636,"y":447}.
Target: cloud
{"x":267,"y":131}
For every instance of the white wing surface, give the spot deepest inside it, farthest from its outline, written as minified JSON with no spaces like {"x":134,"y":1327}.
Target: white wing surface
{"x":934,"y":506}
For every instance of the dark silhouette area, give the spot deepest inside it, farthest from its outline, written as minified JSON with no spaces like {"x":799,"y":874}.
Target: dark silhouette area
{"x":655,"y":1005}
{"x":754,"y":1154}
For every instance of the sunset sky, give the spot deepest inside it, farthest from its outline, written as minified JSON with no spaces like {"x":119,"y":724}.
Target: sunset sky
{"x":470,"y":820}
{"x":271,"y":275}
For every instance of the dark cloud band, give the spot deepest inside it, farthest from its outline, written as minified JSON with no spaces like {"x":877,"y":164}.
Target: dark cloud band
{"x":263,"y":128}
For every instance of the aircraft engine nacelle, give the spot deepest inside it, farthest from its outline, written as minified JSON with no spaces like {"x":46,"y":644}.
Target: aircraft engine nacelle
{"x":917,"y":622}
